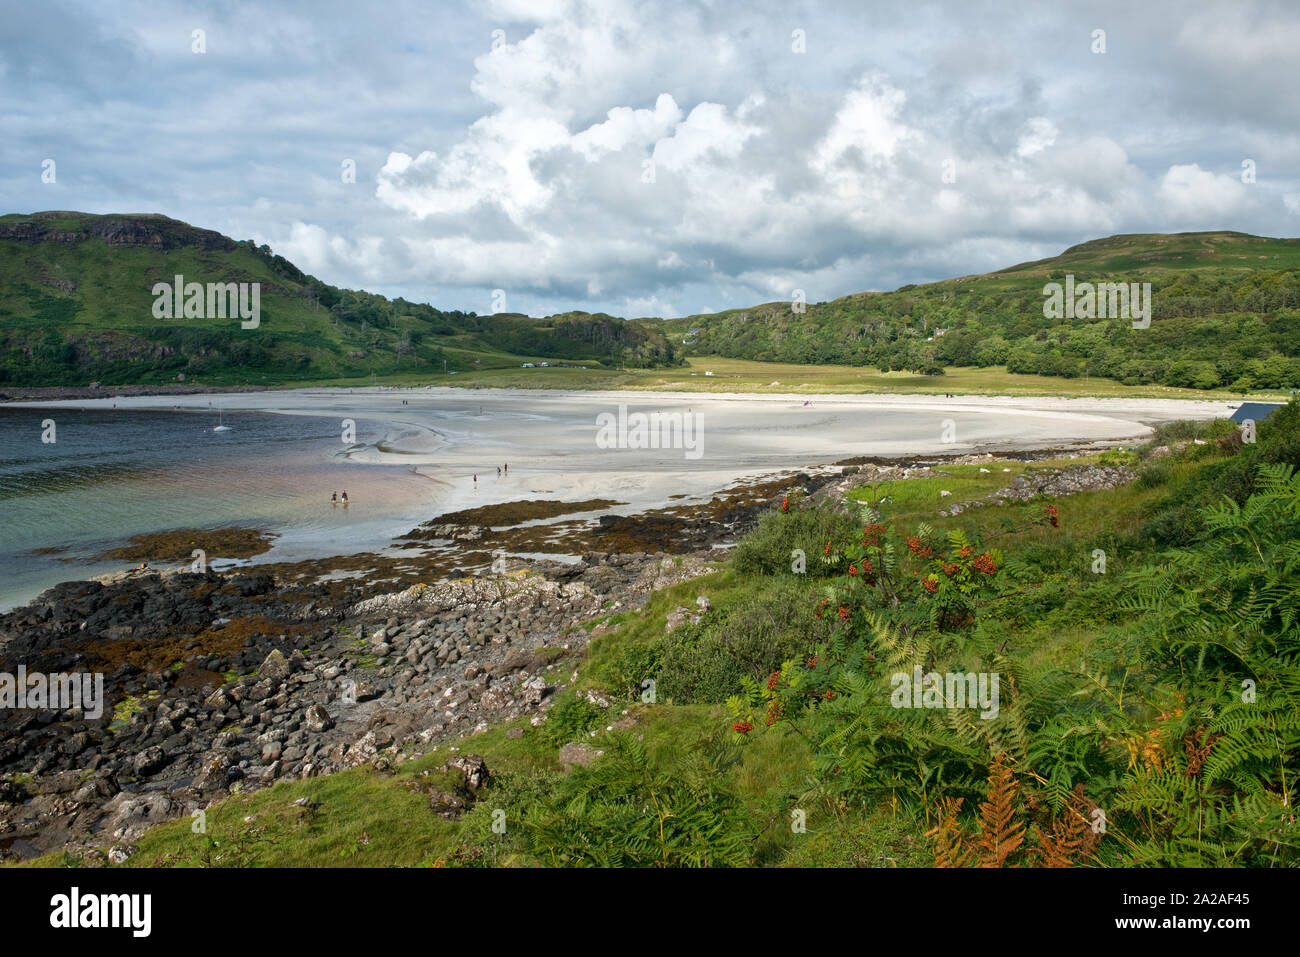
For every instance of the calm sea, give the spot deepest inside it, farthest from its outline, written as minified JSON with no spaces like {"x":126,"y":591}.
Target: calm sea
{"x":110,"y":475}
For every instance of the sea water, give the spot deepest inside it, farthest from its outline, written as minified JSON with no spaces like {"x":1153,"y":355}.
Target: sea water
{"x":112,"y":474}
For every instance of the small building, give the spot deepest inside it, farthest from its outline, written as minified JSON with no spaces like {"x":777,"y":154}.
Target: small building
{"x":1256,"y":411}
{"x":529,"y":365}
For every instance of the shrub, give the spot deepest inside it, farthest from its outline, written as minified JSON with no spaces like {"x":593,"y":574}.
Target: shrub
{"x":1155,"y":474}
{"x":707,"y":661}
{"x":632,"y":664}
{"x":631,"y":810}
{"x":571,"y":719}
{"x":767,"y":549}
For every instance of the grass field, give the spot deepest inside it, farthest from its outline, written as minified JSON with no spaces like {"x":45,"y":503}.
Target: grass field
{"x":743,"y":375}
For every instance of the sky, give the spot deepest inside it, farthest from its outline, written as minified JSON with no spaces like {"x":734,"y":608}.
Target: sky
{"x":656,"y":158}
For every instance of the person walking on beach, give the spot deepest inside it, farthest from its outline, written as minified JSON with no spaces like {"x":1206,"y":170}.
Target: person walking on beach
{"x":507,"y":468}
{"x":345,"y":496}
{"x":498,"y":471}
{"x":476,"y":480}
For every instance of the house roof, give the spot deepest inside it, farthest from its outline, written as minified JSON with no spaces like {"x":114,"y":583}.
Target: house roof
{"x":1258,"y":411}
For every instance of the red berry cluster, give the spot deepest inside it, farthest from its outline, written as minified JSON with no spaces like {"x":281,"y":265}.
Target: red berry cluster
{"x":872,"y":534}
{"x":930,"y":584}
{"x":742,"y":727}
{"x":845,"y":613}
{"x":785,"y":503}
{"x":853,"y":571}
{"x":1052,"y":516}
{"x":950,"y":568}
{"x":985,"y":563}
{"x":772,"y":679}
{"x":918,"y":549}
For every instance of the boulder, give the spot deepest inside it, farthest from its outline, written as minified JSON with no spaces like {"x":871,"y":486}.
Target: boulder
{"x":578,"y":753}
{"x":472,"y":767}
{"x":317,"y":719}
{"x":275,"y":667}
{"x":213,"y":771}
{"x":149,"y":761}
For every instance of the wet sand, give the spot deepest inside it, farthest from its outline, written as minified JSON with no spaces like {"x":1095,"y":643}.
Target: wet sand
{"x":549,"y":438}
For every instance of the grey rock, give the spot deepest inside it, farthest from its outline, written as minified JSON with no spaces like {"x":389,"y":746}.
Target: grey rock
{"x":473,"y":767}
{"x":318,"y":719}
{"x":149,"y":761}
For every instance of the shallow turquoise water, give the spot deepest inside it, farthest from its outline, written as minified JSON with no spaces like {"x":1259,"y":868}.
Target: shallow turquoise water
{"x":110,"y":475}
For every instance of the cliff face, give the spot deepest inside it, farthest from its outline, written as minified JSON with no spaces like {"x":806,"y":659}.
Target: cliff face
{"x":147,"y":230}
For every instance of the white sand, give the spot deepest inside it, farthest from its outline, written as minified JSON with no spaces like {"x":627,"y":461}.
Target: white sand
{"x":549,"y":437}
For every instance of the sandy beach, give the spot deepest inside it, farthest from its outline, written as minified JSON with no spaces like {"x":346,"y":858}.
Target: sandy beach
{"x":549,"y":438}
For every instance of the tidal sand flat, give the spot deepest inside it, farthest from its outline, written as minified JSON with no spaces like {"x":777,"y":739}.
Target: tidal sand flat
{"x":150,"y":464}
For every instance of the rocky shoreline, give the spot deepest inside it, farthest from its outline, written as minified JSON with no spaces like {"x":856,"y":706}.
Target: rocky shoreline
{"x":312,"y":688}
{"x":217,"y":683}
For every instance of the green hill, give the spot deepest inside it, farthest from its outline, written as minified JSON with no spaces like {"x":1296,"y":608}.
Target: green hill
{"x":77,"y":305}
{"x":1226,"y":315}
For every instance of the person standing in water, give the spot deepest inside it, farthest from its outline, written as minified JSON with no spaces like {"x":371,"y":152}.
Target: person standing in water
{"x":498,"y":471}
{"x":476,"y":480}
{"x":334,"y":498}
{"x":345,"y":496}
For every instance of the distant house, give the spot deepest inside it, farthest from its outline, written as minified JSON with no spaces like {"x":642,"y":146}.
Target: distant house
{"x":530,"y":365}
{"x":1256,"y":411}
{"x":708,"y":373}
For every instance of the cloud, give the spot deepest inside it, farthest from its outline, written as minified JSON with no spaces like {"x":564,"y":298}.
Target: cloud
{"x":1189,"y":193}
{"x":630,"y":156}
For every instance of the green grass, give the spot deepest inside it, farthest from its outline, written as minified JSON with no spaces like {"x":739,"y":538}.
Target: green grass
{"x":749,"y":376}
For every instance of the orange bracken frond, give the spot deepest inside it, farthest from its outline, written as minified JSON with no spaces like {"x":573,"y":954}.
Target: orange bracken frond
{"x":947,"y":835}
{"x":1001,"y":833}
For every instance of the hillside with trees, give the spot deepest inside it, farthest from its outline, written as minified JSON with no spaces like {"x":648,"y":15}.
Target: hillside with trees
{"x":77,"y":306}
{"x":1226,"y":314}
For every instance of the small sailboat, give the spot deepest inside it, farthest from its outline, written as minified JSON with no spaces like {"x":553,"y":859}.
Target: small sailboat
{"x":222,"y":427}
